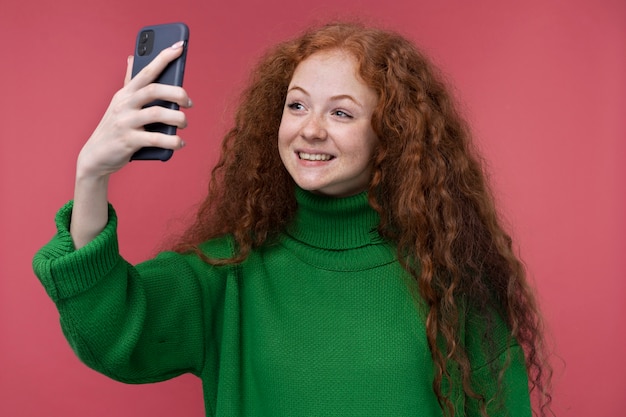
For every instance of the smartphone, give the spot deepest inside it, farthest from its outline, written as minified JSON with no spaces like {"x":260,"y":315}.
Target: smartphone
{"x":151,"y":40}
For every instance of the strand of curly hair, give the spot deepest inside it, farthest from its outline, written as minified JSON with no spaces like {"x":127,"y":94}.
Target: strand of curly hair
{"x":428,"y":186}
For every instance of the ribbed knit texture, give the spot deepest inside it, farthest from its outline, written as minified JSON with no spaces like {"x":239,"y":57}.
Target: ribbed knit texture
{"x":320,"y":323}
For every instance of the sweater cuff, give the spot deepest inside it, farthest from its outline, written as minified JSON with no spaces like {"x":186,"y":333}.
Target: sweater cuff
{"x":65,"y":271}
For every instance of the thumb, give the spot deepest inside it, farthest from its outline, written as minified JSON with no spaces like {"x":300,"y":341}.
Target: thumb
{"x":129,"y":69}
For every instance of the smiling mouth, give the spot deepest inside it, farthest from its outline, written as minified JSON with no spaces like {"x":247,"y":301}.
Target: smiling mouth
{"x":314,"y":156}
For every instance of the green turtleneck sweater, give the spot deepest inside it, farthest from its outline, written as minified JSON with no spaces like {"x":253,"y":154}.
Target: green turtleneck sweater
{"x":321,"y":323}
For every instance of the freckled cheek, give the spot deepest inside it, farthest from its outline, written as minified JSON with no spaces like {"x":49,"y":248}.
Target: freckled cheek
{"x":368,"y":144}
{"x":286,"y":132}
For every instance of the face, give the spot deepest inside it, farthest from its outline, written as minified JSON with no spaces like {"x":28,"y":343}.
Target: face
{"x":325,"y":138}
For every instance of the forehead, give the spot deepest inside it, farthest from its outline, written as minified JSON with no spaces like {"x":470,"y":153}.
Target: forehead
{"x":331,"y":70}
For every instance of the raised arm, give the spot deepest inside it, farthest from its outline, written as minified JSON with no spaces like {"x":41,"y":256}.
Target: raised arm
{"x":119,"y":134}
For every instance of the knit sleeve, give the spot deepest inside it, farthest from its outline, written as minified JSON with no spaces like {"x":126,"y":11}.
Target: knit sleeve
{"x":489,"y":355}
{"x":135,"y":324}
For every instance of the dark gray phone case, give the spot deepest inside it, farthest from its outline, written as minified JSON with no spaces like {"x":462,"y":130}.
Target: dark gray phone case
{"x":151,"y":40}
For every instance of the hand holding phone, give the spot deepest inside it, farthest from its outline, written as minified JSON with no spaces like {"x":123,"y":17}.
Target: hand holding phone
{"x":118,"y":135}
{"x":151,"y":40}
{"x":121,"y":132}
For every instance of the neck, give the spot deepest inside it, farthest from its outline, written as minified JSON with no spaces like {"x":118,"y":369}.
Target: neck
{"x":334,"y":223}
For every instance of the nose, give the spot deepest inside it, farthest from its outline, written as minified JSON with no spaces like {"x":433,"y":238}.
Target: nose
{"x":314,"y":128}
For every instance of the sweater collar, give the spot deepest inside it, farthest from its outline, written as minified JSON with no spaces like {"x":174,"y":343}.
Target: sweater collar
{"x":334,"y":223}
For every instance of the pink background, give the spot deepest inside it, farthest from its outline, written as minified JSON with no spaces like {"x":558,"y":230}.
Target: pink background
{"x":542,"y":82}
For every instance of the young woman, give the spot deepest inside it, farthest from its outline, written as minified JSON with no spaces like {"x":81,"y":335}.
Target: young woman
{"x":347,"y":261}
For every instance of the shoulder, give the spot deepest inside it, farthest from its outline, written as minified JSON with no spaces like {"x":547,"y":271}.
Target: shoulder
{"x":220,"y":247}
{"x":487,"y":336}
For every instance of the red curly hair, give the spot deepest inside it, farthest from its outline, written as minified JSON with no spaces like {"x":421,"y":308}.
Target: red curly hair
{"x":427,"y":184}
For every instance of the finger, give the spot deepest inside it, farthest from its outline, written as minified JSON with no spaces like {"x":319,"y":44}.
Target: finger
{"x":158,"y":114}
{"x":129,"y":69}
{"x":159,"y":140}
{"x":165,"y":92}
{"x":151,"y":71}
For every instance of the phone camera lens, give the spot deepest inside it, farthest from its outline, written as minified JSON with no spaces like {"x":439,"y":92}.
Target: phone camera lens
{"x":143,"y":38}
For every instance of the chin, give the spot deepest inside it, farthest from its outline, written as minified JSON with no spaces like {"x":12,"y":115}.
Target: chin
{"x":313,"y":189}
{"x":333,"y":193}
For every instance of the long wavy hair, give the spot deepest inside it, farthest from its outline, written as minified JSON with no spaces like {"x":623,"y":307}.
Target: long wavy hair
{"x":427,"y":184}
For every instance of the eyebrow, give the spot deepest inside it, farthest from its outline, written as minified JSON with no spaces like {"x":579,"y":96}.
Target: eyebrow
{"x":333,"y":98}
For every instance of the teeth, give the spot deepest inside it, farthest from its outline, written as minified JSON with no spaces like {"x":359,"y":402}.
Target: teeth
{"x":314,"y":156}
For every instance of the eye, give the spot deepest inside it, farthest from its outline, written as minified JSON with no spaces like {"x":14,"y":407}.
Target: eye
{"x":295,"y":106}
{"x":342,"y":114}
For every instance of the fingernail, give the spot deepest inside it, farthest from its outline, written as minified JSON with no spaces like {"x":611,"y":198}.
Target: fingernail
{"x":190,"y":103}
{"x":178,"y":45}
{"x":182,"y":144}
